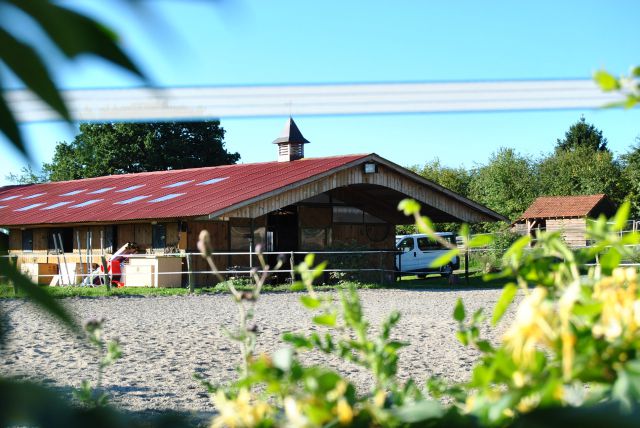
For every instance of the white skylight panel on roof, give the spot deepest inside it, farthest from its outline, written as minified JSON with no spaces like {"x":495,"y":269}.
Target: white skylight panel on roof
{"x":3,"y":206}
{"x":131,"y":200}
{"x":166,"y":197}
{"x":28,"y":207}
{"x":178,"y":184}
{"x":34,"y":195}
{"x":74,"y":192}
{"x":212,"y":181}
{"x":56,"y":205}
{"x":103,"y":190}
{"x":8,"y":198}
{"x":130,"y":188}
{"x":84,"y":204}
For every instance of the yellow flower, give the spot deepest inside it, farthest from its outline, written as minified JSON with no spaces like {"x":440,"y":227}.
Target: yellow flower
{"x":295,"y":416}
{"x":620,"y":315}
{"x":379,"y":398}
{"x":240,"y":412}
{"x":345,"y":412}
{"x":338,"y":391}
{"x":531,"y":327}
{"x":528,"y":403}
{"x":519,"y":379}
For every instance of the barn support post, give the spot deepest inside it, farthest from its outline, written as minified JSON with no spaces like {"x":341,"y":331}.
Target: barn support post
{"x":466,"y":265}
{"x":190,"y":274}
{"x":292,"y":263}
{"x":381,"y":268}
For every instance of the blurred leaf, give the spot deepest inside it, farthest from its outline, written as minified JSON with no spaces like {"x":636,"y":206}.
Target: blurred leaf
{"x":409,"y":207}
{"x":297,"y":340}
{"x":621,"y":217}
{"x":464,"y":231}
{"x":480,"y":241}
{"x":318,"y":271}
{"x":308,"y":259}
{"x":9,"y":126}
{"x":76,"y":34}
{"x":419,"y":411}
{"x":606,"y":81}
{"x":27,"y":65}
{"x":310,"y":302}
{"x":39,"y":296}
{"x":328,"y":320}
{"x":445,"y":258}
{"x":610,"y":260}
{"x":508,"y":293}
{"x":635,"y":71}
{"x":459,"y":312}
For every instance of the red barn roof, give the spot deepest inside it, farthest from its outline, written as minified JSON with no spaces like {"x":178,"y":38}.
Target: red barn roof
{"x":156,"y":195}
{"x":569,"y":206}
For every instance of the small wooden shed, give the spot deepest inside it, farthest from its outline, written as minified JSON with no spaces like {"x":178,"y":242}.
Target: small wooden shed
{"x":566,"y":214}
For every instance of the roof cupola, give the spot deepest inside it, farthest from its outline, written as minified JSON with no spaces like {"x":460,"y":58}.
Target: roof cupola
{"x":290,"y":143}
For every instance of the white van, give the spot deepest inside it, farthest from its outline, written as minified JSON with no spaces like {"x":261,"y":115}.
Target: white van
{"x":418,"y":251}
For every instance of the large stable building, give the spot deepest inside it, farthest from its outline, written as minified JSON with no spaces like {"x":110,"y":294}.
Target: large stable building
{"x":292,"y":204}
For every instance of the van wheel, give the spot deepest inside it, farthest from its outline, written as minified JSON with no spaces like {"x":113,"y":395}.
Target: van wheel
{"x":446,"y":271}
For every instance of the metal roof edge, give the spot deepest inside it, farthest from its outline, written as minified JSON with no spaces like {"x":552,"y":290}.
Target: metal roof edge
{"x":420,"y":179}
{"x":291,"y":186}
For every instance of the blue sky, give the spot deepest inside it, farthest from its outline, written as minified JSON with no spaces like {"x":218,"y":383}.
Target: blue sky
{"x":235,"y":42}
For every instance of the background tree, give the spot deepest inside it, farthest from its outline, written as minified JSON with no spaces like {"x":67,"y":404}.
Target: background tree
{"x":455,"y":179}
{"x":582,"y":171}
{"x":507,"y":183}
{"x":119,"y":148}
{"x":27,"y":176}
{"x":582,"y":134}
{"x":630,"y":164}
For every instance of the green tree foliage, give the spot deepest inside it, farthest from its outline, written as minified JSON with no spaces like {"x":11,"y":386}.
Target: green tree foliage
{"x":119,"y":148}
{"x":582,"y":134}
{"x":630,"y":164}
{"x":507,"y":183}
{"x":581,"y":171}
{"x":27,"y":176}
{"x":455,"y":179}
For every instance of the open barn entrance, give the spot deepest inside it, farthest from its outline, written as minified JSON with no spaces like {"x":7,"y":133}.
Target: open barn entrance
{"x":282,"y":234}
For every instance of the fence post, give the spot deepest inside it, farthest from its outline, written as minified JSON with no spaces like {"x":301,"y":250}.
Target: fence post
{"x":381,"y":268}
{"x":189,"y":273}
{"x":466,"y":265}
{"x":292,"y":262}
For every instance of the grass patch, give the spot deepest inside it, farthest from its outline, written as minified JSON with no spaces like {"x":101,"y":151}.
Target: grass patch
{"x":407,"y":282}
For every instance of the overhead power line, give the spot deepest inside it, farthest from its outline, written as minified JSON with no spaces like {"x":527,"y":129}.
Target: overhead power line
{"x":325,"y":99}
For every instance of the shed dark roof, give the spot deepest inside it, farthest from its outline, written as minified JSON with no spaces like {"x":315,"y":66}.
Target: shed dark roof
{"x":290,"y":134}
{"x":569,"y":206}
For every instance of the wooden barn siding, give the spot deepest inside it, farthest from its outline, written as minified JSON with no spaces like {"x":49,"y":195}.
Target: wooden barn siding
{"x":384,"y":177}
{"x":219,"y":233}
{"x":572,"y":230}
{"x":310,"y":216}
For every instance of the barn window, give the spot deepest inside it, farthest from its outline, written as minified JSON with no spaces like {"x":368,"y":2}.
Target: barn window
{"x":159,"y":236}
{"x":27,"y":240}
{"x":313,"y":238}
{"x":353,"y":215}
{"x":240,"y":237}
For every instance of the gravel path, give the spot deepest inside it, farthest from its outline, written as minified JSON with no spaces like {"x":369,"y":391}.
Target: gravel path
{"x":165,"y":340}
